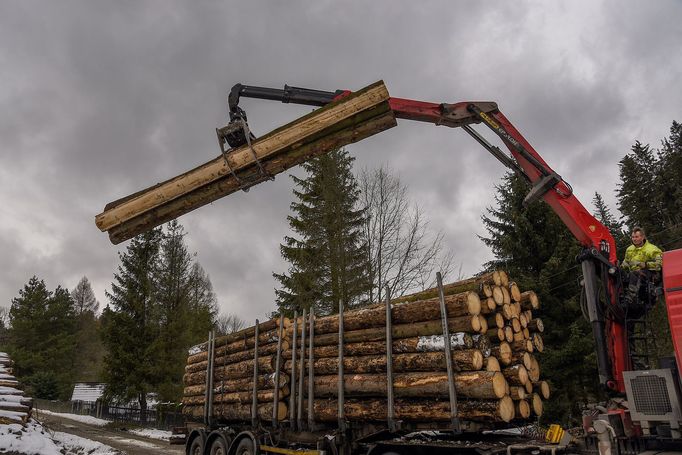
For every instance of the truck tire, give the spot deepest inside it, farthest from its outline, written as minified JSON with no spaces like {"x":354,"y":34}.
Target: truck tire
{"x":245,"y":447}
{"x":197,"y":447}
{"x":218,"y":447}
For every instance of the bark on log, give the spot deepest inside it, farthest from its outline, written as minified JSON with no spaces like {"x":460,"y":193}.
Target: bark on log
{"x":238,"y":370}
{"x":503,"y":352}
{"x":296,"y":132}
{"x":501,"y":410}
{"x":516,"y":375}
{"x":522,"y":345}
{"x":529,"y":315}
{"x":470,"y":384}
{"x":517,"y":393}
{"x":351,"y":130}
{"x":466,"y":360}
{"x":458,"y":305}
{"x":264,"y":396}
{"x":433,"y":343}
{"x":488,"y":305}
{"x":521,"y":409}
{"x":233,"y":412}
{"x":483,"y":344}
{"x":266,"y":381}
{"x":249,"y":332}
{"x":495,"y":320}
{"x":483,"y":286}
{"x":529,"y":300}
{"x":469,"y":324}
{"x":496,"y":335}
{"x":523,"y":358}
{"x":491,"y":364}
{"x":221,"y":358}
{"x":536,"y":325}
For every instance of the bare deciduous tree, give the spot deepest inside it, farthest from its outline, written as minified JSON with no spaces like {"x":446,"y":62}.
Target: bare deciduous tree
{"x":228,"y":323}
{"x":402,"y":252}
{"x":84,"y":297}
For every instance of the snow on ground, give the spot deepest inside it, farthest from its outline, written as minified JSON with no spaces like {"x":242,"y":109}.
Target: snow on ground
{"x":84,"y":419}
{"x":152,"y":433}
{"x":35,"y":440}
{"x":133,"y":442}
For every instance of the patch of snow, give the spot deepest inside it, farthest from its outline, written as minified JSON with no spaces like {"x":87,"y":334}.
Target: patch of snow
{"x":79,"y":418}
{"x":76,"y":445}
{"x":152,"y":433}
{"x":196,"y":349}
{"x":4,"y":390}
{"x":435,"y":343}
{"x":133,"y":442}
{"x":30,"y":440}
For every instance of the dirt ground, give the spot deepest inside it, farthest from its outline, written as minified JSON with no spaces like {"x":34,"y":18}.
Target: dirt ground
{"x":124,"y":441}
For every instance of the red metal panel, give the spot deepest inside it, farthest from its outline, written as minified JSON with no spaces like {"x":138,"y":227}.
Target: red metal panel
{"x":672,"y":286}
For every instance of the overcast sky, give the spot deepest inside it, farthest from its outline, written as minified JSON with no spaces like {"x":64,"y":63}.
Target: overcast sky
{"x":99,"y":99}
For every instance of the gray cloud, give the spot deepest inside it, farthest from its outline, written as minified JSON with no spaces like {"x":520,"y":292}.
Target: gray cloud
{"x":102,"y":99}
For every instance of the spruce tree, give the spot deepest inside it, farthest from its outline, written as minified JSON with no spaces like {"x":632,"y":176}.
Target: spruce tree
{"x":539,"y":252}
{"x":670,"y":189}
{"x":130,"y":322}
{"x":327,"y":257}
{"x":603,"y":213}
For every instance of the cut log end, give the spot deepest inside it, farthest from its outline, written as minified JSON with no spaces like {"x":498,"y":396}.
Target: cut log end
{"x":515,"y":292}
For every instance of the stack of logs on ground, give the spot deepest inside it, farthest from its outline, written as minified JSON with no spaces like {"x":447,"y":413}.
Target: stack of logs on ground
{"x":494,"y":338}
{"x":14,"y":406}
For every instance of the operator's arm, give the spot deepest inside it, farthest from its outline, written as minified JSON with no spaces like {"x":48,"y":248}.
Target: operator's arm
{"x":654,"y":259}
{"x":627,"y":262}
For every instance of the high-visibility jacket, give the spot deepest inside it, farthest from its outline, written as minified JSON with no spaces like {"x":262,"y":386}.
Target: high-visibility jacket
{"x":648,"y":253}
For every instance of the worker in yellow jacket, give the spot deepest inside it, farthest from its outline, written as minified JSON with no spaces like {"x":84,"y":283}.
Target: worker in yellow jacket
{"x":642,"y":259}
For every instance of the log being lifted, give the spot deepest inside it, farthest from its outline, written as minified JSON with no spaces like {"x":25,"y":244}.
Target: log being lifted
{"x":349,"y":119}
{"x":463,"y":304}
{"x":501,"y":410}
{"x":466,"y":360}
{"x":470,"y":384}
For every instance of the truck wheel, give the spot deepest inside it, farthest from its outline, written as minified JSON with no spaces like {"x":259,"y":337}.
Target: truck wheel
{"x":218,"y":447}
{"x":197,"y":446}
{"x":245,"y":447}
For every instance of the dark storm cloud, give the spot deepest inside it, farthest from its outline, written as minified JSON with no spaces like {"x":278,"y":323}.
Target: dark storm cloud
{"x":101,"y":99}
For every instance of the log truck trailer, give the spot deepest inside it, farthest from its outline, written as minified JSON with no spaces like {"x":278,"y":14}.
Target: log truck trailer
{"x":653,"y":395}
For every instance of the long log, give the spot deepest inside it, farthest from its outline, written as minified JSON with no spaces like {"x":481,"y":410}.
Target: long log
{"x":264,"y":396}
{"x":295,"y":132}
{"x":515,"y":292}
{"x":536,"y":404}
{"x":538,"y":344}
{"x":467,"y":360}
{"x":267,"y":338}
{"x":515,"y":324}
{"x":495,"y":335}
{"x":482,"y":343}
{"x":488,"y":305}
{"x":361,"y":126}
{"x":508,"y":334}
{"x":534,"y":369}
{"x":522,"y":345}
{"x":470,"y":324}
{"x":199,"y":361}
{"x":529,"y":387}
{"x":470,"y":384}
{"x":498,"y":295}
{"x":266,"y":381}
{"x":506,"y":295}
{"x":266,"y":364}
{"x":516,"y":375}
{"x":482,"y":284}
{"x":522,"y":357}
{"x":501,"y":410}
{"x":433,"y":343}
{"x":523,"y":320}
{"x":234,"y":412}
{"x":464,"y":304}
{"x":495,"y":320}
{"x":517,"y":393}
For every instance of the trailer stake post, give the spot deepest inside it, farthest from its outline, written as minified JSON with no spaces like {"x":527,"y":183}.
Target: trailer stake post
{"x":278,"y":363}
{"x":254,"y":389}
{"x":392,"y":427}
{"x":301,"y":372}
{"x":292,"y":394}
{"x":448,"y":356}
{"x":340,"y":381}
{"x":311,"y":373}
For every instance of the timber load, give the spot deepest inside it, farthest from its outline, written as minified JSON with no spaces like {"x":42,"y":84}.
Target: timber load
{"x":471,"y":348}
{"x":15,"y":408}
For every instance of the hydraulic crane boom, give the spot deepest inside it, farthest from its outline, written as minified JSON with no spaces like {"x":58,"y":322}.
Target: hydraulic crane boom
{"x":598,"y":258}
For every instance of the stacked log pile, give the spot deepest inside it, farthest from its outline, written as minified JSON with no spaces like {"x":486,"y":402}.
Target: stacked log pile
{"x":493,"y":340}
{"x":14,"y":406}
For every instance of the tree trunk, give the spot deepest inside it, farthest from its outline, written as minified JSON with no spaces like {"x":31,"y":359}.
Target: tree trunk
{"x":522,"y":345}
{"x":521,"y":357}
{"x":534,"y":369}
{"x":495,"y":320}
{"x":238,"y":411}
{"x":469,"y":324}
{"x":238,"y":370}
{"x":245,"y":397}
{"x":515,"y":292}
{"x":517,"y":393}
{"x":467,"y":360}
{"x":529,"y":300}
{"x":483,"y":344}
{"x":495,"y":335}
{"x":266,"y":381}
{"x":237,"y":356}
{"x":542,"y":389}
{"x":536,"y":404}
{"x":536,"y":325}
{"x":522,"y":409}
{"x":501,"y":410}
{"x":470,"y":384}
{"x":516,"y":375}
{"x":503,"y":352}
{"x":538,"y":344}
